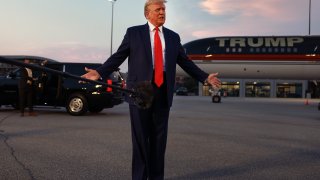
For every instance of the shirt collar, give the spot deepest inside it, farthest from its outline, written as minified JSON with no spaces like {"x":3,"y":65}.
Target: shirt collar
{"x":151,"y":27}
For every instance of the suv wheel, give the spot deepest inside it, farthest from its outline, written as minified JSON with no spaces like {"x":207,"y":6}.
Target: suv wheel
{"x":77,"y":104}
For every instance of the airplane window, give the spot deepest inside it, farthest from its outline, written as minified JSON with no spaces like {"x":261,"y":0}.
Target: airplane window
{"x":234,"y":50}
{"x":288,"y":49}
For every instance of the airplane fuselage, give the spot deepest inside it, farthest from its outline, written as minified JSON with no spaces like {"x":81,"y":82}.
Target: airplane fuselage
{"x":263,"y":57}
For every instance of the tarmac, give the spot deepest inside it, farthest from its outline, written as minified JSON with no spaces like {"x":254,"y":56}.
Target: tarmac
{"x":239,"y":138}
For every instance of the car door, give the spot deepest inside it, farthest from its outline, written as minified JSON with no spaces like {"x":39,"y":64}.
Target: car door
{"x":9,"y":92}
{"x":50,"y":91}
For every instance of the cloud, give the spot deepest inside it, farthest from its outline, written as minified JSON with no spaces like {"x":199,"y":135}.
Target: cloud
{"x":69,"y":51}
{"x":271,"y":9}
{"x":243,"y":18}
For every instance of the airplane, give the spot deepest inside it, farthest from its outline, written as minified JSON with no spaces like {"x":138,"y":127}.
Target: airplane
{"x":257,"y":57}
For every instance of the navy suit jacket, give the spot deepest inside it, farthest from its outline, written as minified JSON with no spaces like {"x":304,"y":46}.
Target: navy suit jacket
{"x":136,"y":45}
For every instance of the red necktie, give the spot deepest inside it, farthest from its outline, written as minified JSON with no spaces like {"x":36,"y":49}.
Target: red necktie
{"x":158,"y":59}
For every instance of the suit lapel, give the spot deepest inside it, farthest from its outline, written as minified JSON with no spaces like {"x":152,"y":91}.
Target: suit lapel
{"x":167,"y":40}
{"x":145,"y":34}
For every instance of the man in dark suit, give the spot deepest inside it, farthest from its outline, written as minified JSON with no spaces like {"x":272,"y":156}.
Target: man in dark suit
{"x":26,"y":90}
{"x":144,"y":45}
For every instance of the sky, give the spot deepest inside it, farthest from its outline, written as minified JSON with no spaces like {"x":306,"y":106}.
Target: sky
{"x":80,"y":30}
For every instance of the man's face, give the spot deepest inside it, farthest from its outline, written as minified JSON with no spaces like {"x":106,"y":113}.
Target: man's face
{"x":156,"y":14}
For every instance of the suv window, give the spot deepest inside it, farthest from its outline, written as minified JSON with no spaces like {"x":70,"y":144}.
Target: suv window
{"x":79,"y":69}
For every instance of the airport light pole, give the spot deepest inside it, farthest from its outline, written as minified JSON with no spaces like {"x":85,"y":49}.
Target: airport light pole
{"x":309,"y":17}
{"x":112,"y":1}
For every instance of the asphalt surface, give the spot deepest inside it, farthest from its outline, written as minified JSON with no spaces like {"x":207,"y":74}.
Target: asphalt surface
{"x":240,"y":138}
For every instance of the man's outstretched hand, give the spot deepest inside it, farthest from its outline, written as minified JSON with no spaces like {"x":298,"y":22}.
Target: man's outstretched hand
{"x":91,"y":74}
{"x":214,"y":81}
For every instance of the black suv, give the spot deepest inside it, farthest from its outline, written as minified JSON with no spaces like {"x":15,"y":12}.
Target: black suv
{"x":55,"y":90}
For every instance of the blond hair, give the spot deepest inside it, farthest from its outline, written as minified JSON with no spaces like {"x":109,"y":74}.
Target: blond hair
{"x":149,"y":2}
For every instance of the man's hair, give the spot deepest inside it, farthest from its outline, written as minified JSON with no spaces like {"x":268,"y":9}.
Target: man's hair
{"x":149,"y":2}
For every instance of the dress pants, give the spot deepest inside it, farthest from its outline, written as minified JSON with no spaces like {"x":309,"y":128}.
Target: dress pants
{"x":25,"y":98}
{"x":149,"y":128}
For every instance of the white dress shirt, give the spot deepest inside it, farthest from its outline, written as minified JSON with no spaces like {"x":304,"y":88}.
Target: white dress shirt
{"x":163,"y":44}
{"x":29,"y":75}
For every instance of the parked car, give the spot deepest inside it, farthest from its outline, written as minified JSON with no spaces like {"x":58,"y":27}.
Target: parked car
{"x":55,"y":90}
{"x":182,"y":91}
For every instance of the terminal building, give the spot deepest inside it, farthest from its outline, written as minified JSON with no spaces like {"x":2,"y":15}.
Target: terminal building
{"x":260,"y":66}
